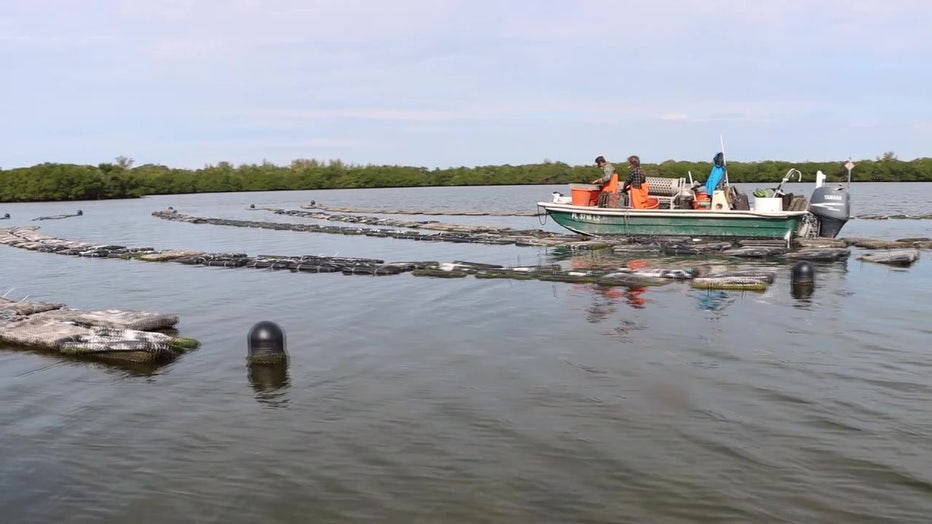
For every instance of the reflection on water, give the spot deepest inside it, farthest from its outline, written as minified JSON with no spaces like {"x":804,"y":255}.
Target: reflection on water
{"x":604,"y":303}
{"x":712,"y":300}
{"x":270,"y":383}
{"x":634,"y":297}
{"x":110,"y":365}
{"x":423,"y":400}
{"x":605,"y":300}
{"x":802,"y":292}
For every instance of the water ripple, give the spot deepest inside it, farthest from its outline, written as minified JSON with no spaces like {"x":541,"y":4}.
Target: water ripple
{"x":419,"y":400}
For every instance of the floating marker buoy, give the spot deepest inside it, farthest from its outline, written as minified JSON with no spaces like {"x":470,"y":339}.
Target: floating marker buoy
{"x":266,"y":344}
{"x":803,"y":273}
{"x":802,"y":279}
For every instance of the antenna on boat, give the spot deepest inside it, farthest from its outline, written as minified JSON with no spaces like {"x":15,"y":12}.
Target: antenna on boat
{"x":849,"y":166}
{"x":724,"y":161}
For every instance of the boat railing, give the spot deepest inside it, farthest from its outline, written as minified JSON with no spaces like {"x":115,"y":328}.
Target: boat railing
{"x":665,"y":190}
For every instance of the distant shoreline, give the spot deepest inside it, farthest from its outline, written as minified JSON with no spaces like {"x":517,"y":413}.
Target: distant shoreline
{"x":50,"y":182}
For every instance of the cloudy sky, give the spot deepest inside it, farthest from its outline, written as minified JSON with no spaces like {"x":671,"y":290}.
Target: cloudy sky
{"x":441,"y":83}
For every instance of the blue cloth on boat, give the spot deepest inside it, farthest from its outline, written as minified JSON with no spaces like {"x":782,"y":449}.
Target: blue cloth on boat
{"x":717,"y":175}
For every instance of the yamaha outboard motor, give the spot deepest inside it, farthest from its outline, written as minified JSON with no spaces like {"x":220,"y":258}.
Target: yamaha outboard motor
{"x":832,"y":206}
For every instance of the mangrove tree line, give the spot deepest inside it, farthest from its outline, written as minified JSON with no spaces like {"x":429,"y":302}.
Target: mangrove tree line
{"x":120,"y":179}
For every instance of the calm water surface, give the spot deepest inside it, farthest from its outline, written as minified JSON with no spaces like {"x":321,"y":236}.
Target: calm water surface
{"x":420,"y":400}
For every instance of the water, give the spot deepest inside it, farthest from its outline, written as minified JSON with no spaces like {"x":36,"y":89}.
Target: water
{"x":420,"y":400}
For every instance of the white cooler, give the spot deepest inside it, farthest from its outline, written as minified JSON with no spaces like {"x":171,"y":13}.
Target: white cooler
{"x":768,"y":204}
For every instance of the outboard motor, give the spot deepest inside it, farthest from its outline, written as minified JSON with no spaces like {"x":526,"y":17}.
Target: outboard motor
{"x":832,"y":206}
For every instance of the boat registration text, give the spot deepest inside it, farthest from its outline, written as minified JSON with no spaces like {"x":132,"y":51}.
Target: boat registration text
{"x":587,"y":217}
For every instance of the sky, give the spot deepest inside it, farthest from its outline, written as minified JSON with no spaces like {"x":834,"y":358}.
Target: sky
{"x":447,"y":83}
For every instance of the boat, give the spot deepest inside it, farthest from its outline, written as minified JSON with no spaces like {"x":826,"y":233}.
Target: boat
{"x":683,"y":209}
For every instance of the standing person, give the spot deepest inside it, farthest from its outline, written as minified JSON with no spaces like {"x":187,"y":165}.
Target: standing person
{"x":636,"y":184}
{"x":609,"y":183}
{"x":608,"y":170}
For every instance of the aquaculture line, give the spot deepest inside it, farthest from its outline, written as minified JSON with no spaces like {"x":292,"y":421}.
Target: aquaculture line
{"x":813,"y":249}
{"x":438,"y":232}
{"x":502,"y":235}
{"x":30,"y":238}
{"x":449,"y":212}
{"x":114,"y":335}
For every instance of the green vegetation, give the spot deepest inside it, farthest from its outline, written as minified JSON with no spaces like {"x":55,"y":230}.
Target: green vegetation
{"x":120,"y":179}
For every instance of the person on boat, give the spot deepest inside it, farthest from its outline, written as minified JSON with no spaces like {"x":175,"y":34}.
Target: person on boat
{"x":608,"y":170}
{"x":609,"y":195}
{"x":636,"y":184}
{"x":717,"y":176}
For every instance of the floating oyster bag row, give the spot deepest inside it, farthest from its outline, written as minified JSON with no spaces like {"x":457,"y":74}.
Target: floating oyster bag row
{"x":130,"y":336}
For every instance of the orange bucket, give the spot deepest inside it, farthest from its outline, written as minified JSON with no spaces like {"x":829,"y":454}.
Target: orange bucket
{"x":702,"y":200}
{"x":585,"y":194}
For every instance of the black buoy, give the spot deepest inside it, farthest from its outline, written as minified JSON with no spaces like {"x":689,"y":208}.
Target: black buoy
{"x":79,"y":213}
{"x":266,"y":344}
{"x":803,"y":280}
{"x":803,"y":273}
{"x":252,"y":206}
{"x":6,"y":215}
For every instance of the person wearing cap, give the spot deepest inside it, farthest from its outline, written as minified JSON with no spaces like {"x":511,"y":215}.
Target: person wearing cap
{"x":608,"y":170}
{"x":609,"y":183}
